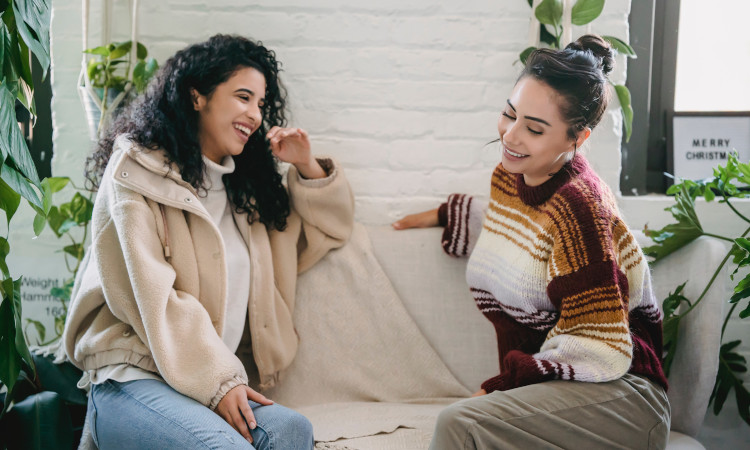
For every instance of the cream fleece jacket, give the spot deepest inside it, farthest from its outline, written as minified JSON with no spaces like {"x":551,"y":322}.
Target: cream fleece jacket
{"x":151,"y":291}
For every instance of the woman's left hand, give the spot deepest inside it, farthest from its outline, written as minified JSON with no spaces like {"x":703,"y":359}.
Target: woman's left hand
{"x":292,"y":145}
{"x":479,"y":393}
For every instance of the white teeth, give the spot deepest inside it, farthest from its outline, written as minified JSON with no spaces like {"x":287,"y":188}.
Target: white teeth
{"x":517,"y":155}
{"x":244,"y":129}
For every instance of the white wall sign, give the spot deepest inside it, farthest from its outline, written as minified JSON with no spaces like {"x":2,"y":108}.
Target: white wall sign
{"x":40,"y":275}
{"x":701,"y":142}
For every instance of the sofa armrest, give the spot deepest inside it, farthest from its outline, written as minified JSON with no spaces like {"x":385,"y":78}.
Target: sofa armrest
{"x":694,"y":368}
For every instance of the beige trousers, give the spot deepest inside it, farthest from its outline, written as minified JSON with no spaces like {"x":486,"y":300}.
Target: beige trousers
{"x":631,"y":413}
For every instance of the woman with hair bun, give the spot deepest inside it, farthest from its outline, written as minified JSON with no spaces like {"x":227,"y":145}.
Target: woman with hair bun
{"x":562,"y":279}
{"x":196,"y":247}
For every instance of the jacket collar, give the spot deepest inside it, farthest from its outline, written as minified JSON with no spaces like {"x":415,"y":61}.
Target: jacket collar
{"x":149,"y":173}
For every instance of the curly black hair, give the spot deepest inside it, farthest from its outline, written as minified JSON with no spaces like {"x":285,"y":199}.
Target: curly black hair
{"x":164,"y":117}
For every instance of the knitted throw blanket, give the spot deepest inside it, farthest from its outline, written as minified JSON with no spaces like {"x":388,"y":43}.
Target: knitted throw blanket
{"x":561,"y":278}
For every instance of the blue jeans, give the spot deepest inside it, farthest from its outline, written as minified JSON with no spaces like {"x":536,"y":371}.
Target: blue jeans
{"x":149,"y":414}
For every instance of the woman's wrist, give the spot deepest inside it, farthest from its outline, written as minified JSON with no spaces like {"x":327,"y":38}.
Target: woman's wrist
{"x":311,"y":170}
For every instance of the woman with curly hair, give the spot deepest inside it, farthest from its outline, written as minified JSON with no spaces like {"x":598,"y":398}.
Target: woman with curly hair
{"x":555,"y":269}
{"x":186,"y":295}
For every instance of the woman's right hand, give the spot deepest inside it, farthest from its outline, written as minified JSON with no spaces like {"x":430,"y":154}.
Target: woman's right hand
{"x":424,"y":219}
{"x":236,"y":411}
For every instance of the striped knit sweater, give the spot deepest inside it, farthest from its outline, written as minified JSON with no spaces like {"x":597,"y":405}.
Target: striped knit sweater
{"x":561,"y":278}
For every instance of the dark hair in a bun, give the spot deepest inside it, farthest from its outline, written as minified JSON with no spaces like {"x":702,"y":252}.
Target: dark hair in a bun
{"x":579,"y":74}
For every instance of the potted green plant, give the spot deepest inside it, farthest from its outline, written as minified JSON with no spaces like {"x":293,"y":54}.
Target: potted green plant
{"x":24,"y":32}
{"x":728,"y":184}
{"x":111,"y":80}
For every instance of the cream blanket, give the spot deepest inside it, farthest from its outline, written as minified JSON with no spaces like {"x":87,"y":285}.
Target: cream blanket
{"x":364,"y":375}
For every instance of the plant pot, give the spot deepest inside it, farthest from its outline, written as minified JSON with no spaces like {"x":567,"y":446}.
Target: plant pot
{"x":40,"y":421}
{"x":93,"y":113}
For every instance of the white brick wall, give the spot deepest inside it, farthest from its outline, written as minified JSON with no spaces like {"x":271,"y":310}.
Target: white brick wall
{"x":404,"y":94}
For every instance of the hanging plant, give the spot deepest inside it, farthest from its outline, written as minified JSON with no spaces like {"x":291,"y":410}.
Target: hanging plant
{"x":113,"y":82}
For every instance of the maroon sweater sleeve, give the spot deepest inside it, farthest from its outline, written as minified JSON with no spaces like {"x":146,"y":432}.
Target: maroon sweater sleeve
{"x":462,"y":218}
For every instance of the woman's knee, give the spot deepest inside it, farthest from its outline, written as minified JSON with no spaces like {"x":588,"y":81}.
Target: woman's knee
{"x":452,"y":427}
{"x":453,"y":416}
{"x":282,"y":427}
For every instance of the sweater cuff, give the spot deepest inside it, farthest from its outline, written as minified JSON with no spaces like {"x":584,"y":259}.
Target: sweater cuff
{"x":519,"y":369}
{"x":443,"y":214}
{"x":224,"y":388}
{"x":496,"y":383}
{"x":328,"y":167}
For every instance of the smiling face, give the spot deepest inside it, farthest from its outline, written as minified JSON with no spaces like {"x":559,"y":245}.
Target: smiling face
{"x":533,"y":133}
{"x":230,"y":114}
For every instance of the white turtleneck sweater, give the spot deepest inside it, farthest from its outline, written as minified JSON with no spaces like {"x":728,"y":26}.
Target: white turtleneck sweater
{"x":236,"y":252}
{"x":237,"y":257}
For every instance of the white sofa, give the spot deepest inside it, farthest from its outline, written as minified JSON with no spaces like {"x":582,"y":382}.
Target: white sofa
{"x":366,"y":380}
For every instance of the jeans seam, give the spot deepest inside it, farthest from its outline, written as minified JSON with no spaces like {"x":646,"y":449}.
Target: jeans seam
{"x":164,"y":417}
{"x":92,"y":423}
{"x":268,"y":433}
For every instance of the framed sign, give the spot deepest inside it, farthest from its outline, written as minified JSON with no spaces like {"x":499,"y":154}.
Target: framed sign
{"x":703,"y":140}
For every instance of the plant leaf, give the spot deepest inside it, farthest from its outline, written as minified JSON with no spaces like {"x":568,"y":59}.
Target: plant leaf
{"x":9,"y":200}
{"x":743,"y":400}
{"x":4,"y":41}
{"x":143,"y":71}
{"x":11,"y":53}
{"x":730,"y":365}
{"x":101,"y":51}
{"x":25,"y":86}
{"x":549,"y":12}
{"x":56,"y":184}
{"x":75,"y":250}
{"x":741,"y":290}
{"x":38,"y":223}
{"x":673,"y":301}
{"x":33,"y":22}
{"x":621,"y":46}
{"x":21,"y":346}
{"x":39,"y":326}
{"x":4,"y":251}
{"x":120,"y":50}
{"x":525,"y":54}
{"x":584,"y":11}
{"x":141,"y":51}
{"x":623,"y":94}
{"x":18,"y":183}
{"x":12,"y":143}
{"x":10,"y":360}
{"x":547,"y":37}
{"x":81,"y":209}
{"x":676,"y":235}
{"x":709,"y":195}
{"x":745,"y":313}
